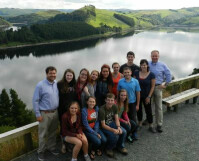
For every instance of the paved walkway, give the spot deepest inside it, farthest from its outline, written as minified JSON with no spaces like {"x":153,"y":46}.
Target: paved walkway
{"x":178,"y":142}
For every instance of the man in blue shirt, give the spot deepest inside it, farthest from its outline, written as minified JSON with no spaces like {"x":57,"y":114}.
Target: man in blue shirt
{"x":163,"y":77}
{"x":45,"y":103}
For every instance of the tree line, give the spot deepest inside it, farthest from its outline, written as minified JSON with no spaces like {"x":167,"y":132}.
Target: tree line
{"x":13,"y":112}
{"x":59,"y":31}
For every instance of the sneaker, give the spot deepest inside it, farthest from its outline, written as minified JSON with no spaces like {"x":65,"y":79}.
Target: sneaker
{"x":63,"y":148}
{"x":151,"y":129}
{"x":54,"y":152}
{"x":87,"y":158}
{"x":123,"y":151}
{"x":109,"y":153}
{"x":130,"y":139}
{"x":41,"y":156}
{"x":159,"y":129}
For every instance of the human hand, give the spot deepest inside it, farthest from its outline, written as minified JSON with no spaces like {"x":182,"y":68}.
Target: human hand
{"x":99,"y":136}
{"x":115,"y":131}
{"x":79,"y":136}
{"x":120,"y":130}
{"x":40,"y":118}
{"x":86,"y":89}
{"x":137,"y":107}
{"x":147,"y":100}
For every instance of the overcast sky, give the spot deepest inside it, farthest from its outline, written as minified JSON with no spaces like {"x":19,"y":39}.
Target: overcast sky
{"x":101,"y":4}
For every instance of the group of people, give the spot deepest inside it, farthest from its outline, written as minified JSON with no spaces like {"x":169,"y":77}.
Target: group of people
{"x":102,"y":109}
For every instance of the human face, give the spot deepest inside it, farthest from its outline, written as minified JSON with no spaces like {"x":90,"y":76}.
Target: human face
{"x":123,"y":96}
{"x":154,"y":56}
{"x":127,"y":74}
{"x":109,"y":102}
{"x":69,"y":77}
{"x":83,"y":76}
{"x":116,"y":68}
{"x":105,"y":73}
{"x":144,"y":67}
{"x":51,"y":75}
{"x":73,"y":109}
{"x":91,"y":103}
{"x":94,"y":76}
{"x":130,"y":59}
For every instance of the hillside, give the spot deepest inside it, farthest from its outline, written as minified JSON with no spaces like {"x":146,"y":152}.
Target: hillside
{"x":3,"y":23}
{"x":13,"y":12}
{"x":92,"y":16}
{"x":166,"y":17}
{"x":34,"y":17}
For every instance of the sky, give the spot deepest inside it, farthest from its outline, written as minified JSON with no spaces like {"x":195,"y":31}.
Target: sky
{"x":100,"y":4}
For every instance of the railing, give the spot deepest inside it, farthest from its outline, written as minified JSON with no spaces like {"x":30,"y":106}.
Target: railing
{"x":24,"y":139}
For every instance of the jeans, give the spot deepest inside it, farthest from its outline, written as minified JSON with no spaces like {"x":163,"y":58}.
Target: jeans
{"x":129,"y":129}
{"x":97,"y":143}
{"x":114,"y":140}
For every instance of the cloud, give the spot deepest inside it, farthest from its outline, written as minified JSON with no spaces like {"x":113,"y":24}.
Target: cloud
{"x":103,"y":4}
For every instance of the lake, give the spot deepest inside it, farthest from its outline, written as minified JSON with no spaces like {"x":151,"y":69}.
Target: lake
{"x":22,"y":69}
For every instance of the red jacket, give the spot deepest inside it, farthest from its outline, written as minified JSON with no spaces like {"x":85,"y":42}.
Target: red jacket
{"x":67,"y":127}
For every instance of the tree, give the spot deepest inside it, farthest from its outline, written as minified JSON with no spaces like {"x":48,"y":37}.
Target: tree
{"x":21,"y":116}
{"x":5,"y":109}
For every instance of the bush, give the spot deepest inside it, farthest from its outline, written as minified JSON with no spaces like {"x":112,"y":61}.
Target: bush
{"x":6,"y":128}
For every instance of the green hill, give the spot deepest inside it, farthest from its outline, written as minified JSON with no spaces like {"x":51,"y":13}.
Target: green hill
{"x":92,"y":16}
{"x":34,"y":17}
{"x":165,"y":17}
{"x":13,"y":12}
{"x":4,"y":23}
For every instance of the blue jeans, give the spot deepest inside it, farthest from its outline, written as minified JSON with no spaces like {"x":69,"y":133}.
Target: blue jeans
{"x":97,"y":143}
{"x":130,"y":129}
{"x":114,"y":140}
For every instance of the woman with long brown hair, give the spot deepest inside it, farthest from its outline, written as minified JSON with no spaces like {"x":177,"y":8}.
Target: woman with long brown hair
{"x":129,"y":125}
{"x":67,"y":94}
{"x":82,"y":89}
{"x":104,"y":84}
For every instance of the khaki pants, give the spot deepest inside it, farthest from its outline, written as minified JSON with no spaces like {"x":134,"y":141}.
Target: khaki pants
{"x":47,"y":131}
{"x":157,"y":101}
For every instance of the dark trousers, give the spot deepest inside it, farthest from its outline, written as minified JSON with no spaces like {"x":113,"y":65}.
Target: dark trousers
{"x":129,"y":129}
{"x":132,"y":111}
{"x":148,"y":111}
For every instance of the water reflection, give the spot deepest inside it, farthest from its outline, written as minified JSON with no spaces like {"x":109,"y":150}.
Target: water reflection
{"x":22,"y":69}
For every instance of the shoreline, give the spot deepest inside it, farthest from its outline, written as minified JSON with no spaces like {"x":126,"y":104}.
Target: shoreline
{"x":92,"y":37}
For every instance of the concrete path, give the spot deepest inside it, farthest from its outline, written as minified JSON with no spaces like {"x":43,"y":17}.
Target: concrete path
{"x":178,"y":142}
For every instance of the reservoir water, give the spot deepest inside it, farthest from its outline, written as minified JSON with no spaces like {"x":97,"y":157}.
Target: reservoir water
{"x":22,"y":69}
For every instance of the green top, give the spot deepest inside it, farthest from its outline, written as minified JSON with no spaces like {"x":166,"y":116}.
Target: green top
{"x":120,"y":112}
{"x":107,"y":114}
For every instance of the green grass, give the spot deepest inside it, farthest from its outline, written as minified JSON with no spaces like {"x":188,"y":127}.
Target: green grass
{"x":49,"y":13}
{"x":106,"y":17}
{"x":192,"y":20}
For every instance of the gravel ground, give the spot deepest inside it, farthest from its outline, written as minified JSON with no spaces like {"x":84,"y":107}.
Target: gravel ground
{"x":178,"y":142}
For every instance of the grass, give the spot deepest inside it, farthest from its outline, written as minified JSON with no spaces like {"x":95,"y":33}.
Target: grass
{"x":106,"y":17}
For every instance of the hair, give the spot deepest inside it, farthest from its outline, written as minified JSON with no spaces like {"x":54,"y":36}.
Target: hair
{"x":142,"y":62}
{"x":109,"y":79}
{"x":126,"y":107}
{"x":50,"y":68}
{"x":72,"y":103}
{"x":88,"y":75}
{"x":130,"y":53}
{"x":127,"y":68}
{"x":155,"y":51}
{"x":115,"y":64}
{"x":65,"y":83}
{"x":110,"y":95}
{"x":89,"y":98}
{"x":92,"y":81}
